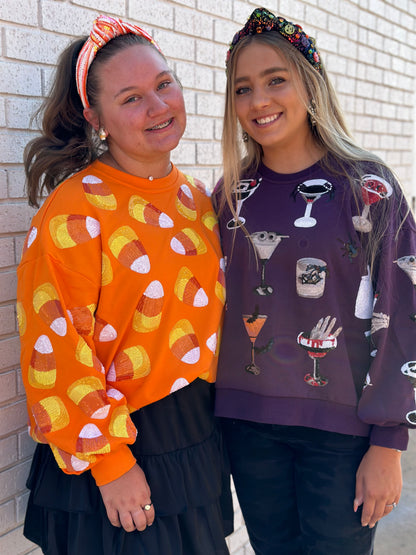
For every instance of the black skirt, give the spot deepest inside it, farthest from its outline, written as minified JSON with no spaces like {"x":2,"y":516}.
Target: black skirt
{"x":180,"y":450}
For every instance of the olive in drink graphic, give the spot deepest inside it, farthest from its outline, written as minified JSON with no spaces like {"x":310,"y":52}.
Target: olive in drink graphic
{"x":265,"y":243}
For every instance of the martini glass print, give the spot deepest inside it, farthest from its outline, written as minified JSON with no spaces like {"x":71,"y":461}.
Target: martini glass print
{"x":316,"y":349}
{"x":409,"y":370}
{"x":253,"y":325}
{"x":373,"y":189}
{"x":311,"y":191}
{"x":245,"y":188}
{"x":408,"y":265}
{"x":265,"y":243}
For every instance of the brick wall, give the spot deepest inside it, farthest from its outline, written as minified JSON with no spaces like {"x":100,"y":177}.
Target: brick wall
{"x":368,"y":49}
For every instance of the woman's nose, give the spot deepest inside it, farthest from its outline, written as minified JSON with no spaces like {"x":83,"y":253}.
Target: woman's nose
{"x":156,"y":104}
{"x":259,"y":98}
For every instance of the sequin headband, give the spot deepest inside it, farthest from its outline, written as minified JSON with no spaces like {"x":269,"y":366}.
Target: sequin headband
{"x":103,"y":30}
{"x":261,"y":20}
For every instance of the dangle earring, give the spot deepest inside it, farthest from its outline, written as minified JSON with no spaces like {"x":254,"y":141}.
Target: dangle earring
{"x":312,"y":113}
{"x":245,"y":137}
{"x":102,"y":133}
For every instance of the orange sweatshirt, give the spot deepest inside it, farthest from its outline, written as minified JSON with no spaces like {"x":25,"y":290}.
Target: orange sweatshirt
{"x":120,"y":299}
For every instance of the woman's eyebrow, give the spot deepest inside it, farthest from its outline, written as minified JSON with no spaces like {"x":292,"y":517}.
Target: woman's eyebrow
{"x":263,"y":73}
{"x":133,"y":87}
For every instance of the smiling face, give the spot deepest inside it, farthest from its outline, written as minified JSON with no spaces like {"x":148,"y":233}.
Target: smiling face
{"x":140,"y":105}
{"x":270,"y":101}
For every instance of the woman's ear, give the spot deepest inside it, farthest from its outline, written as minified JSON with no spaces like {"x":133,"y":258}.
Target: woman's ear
{"x":92,"y":117}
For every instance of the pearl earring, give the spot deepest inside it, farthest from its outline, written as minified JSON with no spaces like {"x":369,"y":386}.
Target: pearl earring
{"x":102,"y":133}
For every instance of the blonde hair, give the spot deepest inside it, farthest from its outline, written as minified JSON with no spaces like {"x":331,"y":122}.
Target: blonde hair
{"x":329,"y":131}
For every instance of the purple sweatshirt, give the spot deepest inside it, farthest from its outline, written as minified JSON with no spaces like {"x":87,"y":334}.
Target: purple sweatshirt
{"x":309,"y":338}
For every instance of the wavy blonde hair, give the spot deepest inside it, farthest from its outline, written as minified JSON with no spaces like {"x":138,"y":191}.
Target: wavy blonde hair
{"x":330,"y":133}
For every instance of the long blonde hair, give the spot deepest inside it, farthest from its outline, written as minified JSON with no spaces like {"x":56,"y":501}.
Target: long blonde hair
{"x":330,"y":133}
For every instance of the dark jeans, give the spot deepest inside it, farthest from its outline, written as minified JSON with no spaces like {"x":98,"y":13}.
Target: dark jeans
{"x":296,"y":488}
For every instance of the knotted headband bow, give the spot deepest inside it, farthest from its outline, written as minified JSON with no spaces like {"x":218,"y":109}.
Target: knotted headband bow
{"x":103,"y":30}
{"x":261,"y":20}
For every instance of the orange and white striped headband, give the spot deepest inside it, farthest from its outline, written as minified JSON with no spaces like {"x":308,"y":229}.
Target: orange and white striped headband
{"x":103,"y":30}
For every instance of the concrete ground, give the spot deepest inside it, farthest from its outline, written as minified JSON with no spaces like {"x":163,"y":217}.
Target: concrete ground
{"x":396,"y":533}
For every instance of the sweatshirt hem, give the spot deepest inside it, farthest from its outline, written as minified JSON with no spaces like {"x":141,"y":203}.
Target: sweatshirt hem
{"x":311,"y":413}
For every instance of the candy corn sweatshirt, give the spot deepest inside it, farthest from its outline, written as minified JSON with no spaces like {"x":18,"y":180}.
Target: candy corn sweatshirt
{"x":119,"y":303}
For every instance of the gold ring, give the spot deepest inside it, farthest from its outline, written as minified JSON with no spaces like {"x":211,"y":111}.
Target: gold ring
{"x":147,"y":507}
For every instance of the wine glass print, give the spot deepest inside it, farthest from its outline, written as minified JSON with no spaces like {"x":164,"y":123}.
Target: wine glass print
{"x":373,"y":189}
{"x":244,"y":189}
{"x":311,"y":191}
{"x":317,"y":349}
{"x":253,"y":324}
{"x":265,"y":243}
{"x":318,"y":343}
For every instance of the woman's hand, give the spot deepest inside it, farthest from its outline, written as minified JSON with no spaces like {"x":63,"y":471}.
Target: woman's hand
{"x":378,"y":484}
{"x":126,"y":500}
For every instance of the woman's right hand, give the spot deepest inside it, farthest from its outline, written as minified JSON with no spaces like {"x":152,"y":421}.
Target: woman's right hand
{"x":125,"y":499}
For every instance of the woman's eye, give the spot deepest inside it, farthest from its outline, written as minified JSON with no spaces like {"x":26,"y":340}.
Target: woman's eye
{"x":276,"y":81}
{"x":242,"y":90}
{"x":131,"y":99}
{"x":164,"y":84}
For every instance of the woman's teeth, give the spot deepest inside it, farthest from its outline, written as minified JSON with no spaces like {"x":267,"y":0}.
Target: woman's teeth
{"x":269,"y":119}
{"x":161,"y":125}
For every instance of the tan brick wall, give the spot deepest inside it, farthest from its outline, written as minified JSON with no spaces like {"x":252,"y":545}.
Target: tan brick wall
{"x":368,"y":46}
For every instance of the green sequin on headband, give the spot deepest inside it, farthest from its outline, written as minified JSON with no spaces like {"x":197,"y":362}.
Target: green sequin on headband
{"x":261,"y":21}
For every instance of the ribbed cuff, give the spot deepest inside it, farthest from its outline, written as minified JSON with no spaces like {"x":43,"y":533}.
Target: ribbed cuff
{"x":113,"y":465}
{"x":393,"y":437}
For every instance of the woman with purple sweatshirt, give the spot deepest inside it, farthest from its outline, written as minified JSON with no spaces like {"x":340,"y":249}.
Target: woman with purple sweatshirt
{"x":317,"y":372}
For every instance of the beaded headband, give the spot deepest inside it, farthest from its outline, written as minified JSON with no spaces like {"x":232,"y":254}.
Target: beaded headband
{"x":261,"y":20}
{"x":103,"y":30}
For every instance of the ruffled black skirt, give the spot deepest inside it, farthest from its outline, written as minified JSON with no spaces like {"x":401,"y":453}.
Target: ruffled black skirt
{"x":180,"y":450}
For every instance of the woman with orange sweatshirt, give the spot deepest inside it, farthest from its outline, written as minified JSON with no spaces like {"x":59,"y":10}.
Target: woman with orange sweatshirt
{"x":120,"y":299}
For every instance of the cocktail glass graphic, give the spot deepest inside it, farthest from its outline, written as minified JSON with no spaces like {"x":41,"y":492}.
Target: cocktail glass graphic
{"x":311,"y":277}
{"x":265,"y":243}
{"x":365,"y":300}
{"x":373,"y":189}
{"x":317,"y":349}
{"x":244,"y":189}
{"x":253,"y":325}
{"x":318,"y":343}
{"x":408,"y":265}
{"x":311,"y":191}
{"x":409,"y":370}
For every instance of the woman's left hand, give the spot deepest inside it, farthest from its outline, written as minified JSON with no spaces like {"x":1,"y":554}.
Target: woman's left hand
{"x":378,"y":484}
{"x":127,"y":500}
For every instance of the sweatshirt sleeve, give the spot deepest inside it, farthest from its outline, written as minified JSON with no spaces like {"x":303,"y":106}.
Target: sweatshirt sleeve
{"x":71,"y":406}
{"x":388,"y":398}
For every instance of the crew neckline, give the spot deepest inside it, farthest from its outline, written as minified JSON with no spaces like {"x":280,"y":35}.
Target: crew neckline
{"x":151,"y":185}
{"x":301,"y":175}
